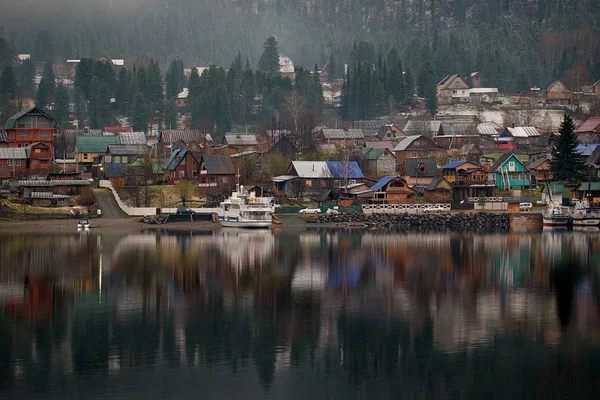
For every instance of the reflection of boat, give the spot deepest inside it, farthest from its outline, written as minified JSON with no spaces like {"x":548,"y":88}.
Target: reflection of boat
{"x":556,"y":216}
{"x":83,"y":223}
{"x":586,"y":228}
{"x":245,"y":210}
{"x":309,"y":279}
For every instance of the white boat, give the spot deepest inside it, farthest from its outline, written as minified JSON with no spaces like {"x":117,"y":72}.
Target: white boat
{"x":83,"y":223}
{"x":556,"y":216}
{"x":245,"y":210}
{"x":583,"y":215}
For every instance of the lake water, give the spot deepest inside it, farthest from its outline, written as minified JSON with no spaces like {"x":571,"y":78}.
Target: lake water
{"x":299,"y":315}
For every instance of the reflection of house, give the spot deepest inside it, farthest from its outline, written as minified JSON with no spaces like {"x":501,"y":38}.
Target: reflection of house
{"x":558,"y":93}
{"x":508,"y":172}
{"x":589,"y":131}
{"x":379,"y":162}
{"x":438,"y":191}
{"x":392,"y":190}
{"x":452,"y":89}
{"x":418,"y":146}
{"x":312,"y":177}
{"x":419,"y":172}
{"x":216,"y":174}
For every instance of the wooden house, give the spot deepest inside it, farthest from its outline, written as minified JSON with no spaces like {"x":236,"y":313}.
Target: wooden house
{"x":29,"y":126}
{"x":593,"y":164}
{"x":15,"y":158}
{"x":438,"y":191}
{"x":452,"y":89}
{"x":522,"y":135}
{"x":541,"y":170}
{"x":418,"y":146}
{"x":508,"y":172}
{"x":182,"y":165}
{"x":468,"y":179}
{"x":558,"y":94}
{"x":456,"y":135}
{"x":370,"y":128}
{"x":90,"y":149}
{"x":470,"y":152}
{"x":589,"y":131}
{"x":216,"y":174}
{"x":392,"y":190}
{"x":39,"y":156}
{"x":389,"y":132}
{"x":241,"y":141}
{"x":589,"y":191}
{"x":379,"y":162}
{"x":341,"y":137}
{"x":419,"y":172}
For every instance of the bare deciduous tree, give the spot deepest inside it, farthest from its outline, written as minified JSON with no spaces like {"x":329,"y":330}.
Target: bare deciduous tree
{"x":295,"y":106}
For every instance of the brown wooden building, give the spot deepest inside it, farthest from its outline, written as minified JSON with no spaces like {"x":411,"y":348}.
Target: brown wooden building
{"x":30,"y":126}
{"x":417,"y":146}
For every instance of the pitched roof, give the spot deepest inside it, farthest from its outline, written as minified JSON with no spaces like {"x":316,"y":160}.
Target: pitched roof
{"x":343,"y":134}
{"x":407,"y":141}
{"x":444,"y":83}
{"x":557,"y":188}
{"x":454,"y":164}
{"x":12,"y":121}
{"x":418,"y":126}
{"x":424,"y":167}
{"x":127,"y":149}
{"x":240,"y":139}
{"x":380,"y":144}
{"x":435,"y":183}
{"x":13,"y":153}
{"x":327,"y":169}
{"x":586,"y":149}
{"x":218,"y":164}
{"x":171,"y":158}
{"x":503,"y":159}
{"x":594,"y":158}
{"x":186,"y":135}
{"x":95,"y":144}
{"x":370,"y":127}
{"x":373,"y":153}
{"x":132,"y":138}
{"x":55,"y":182}
{"x":590,"y":125}
{"x":489,"y":128}
{"x":535,"y":164}
{"x":545,"y":139}
{"x":468,"y":148}
{"x":382,"y":182}
{"x":593,"y":186}
{"x":178,"y":157}
{"x":457,"y":129}
{"x":344,"y":169}
{"x":523,"y":131}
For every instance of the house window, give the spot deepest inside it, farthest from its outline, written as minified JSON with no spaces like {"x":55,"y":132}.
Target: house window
{"x":85,"y":155}
{"x":117,"y":160}
{"x":308,"y":183}
{"x":107,"y":158}
{"x":352,"y":182}
{"x":323,"y":183}
{"x":36,"y":162}
{"x":413,"y":155}
{"x":194,"y":174}
{"x":37,"y":151}
{"x":10,"y":163}
{"x":225,"y":179}
{"x":388,"y":135}
{"x":511,"y":166}
{"x":18,"y":163}
{"x":337,"y":183}
{"x":183,"y":162}
{"x":182,"y":174}
{"x":125,"y":159}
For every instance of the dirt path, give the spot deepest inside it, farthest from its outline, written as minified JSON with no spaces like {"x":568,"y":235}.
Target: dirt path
{"x":108,"y":205}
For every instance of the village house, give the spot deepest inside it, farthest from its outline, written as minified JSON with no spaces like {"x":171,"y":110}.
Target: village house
{"x":589,"y":131}
{"x":285,"y":147}
{"x":181,"y":99}
{"x":415,"y":127}
{"x":589,"y":191}
{"x":29,"y":126}
{"x":593,"y":164}
{"x":118,"y":157}
{"x":167,"y":140}
{"x":389,"y":132}
{"x":468,"y":179}
{"x":181,"y":165}
{"x":370,"y":128}
{"x":419,"y":172}
{"x":90,"y":149}
{"x":596,"y":89}
{"x":418,"y":146}
{"x":286,"y":68}
{"x":470,"y":152}
{"x":452,"y":89}
{"x":240,"y":141}
{"x":541,"y":170}
{"x":340,"y":138}
{"x":558,"y":94}
{"x":553,"y":193}
{"x":47,"y":193}
{"x":114,"y":129}
{"x":313,"y":177}
{"x":15,"y":158}
{"x":390,"y":190}
{"x":490,"y":129}
{"x":456,"y":135}
{"x":39,"y":156}
{"x":523,"y":135}
{"x":508,"y":172}
{"x":378,"y":162}
{"x":438,"y":191}
{"x":216,"y":174}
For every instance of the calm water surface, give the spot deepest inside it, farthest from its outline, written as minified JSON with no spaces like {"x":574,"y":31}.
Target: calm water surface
{"x":299,"y":315}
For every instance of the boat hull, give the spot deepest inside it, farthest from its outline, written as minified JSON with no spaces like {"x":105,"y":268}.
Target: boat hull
{"x":586,"y":221}
{"x":556,"y":221}
{"x":246,"y":224}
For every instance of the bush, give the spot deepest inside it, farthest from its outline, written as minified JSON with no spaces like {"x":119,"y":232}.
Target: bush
{"x":86,"y":198}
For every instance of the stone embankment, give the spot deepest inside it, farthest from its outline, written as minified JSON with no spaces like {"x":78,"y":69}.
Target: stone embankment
{"x":480,"y":222}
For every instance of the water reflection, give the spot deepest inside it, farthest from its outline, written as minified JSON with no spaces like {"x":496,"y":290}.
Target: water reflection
{"x":327,"y":314}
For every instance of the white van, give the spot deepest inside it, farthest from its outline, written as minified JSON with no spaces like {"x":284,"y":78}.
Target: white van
{"x":525,"y":206}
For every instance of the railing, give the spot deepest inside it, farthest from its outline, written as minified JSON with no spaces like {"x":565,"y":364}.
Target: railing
{"x":142,"y":211}
{"x":204,"y":185}
{"x":485,"y":199}
{"x":403,"y":208}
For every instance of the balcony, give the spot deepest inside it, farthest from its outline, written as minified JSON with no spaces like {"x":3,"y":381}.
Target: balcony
{"x":205,"y":185}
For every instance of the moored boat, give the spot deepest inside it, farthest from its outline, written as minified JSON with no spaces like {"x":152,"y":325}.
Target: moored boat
{"x":556,"y":216}
{"x":83,"y":223}
{"x":245,"y":210}
{"x":586,"y":216}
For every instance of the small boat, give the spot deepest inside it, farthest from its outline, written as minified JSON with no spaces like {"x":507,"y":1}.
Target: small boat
{"x":245,"y":210}
{"x":556,"y":216}
{"x":83,"y":223}
{"x":583,"y":215}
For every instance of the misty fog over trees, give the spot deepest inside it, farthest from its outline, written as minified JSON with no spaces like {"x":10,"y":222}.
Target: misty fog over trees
{"x":515,"y":43}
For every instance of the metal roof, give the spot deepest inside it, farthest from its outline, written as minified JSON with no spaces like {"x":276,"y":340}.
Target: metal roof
{"x":240,"y":139}
{"x":586,"y":149}
{"x":594,"y":158}
{"x":13,"y":153}
{"x":592,"y":186}
{"x":523,"y":131}
{"x":94,"y":144}
{"x":49,"y":196}
{"x":435,"y":183}
{"x":328,"y":169}
{"x":371,"y":153}
{"x":382,"y":182}
{"x":489,"y":128}
{"x":12,"y":121}
{"x":407,"y":141}
{"x":218,"y":164}
{"x":127,"y":149}
{"x":457,"y":129}
{"x":425,"y":167}
{"x":34,"y":183}
{"x":171,"y":158}
{"x":454,"y":164}
{"x":344,"y":169}
{"x":282,"y":178}
{"x":167,"y":137}
{"x":51,"y":183}
{"x":132,"y":137}
{"x":370,"y":127}
{"x":343,"y":134}
{"x":590,"y":125}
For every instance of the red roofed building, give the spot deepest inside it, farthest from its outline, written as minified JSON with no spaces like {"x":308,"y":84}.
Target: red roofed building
{"x":589,"y":131}
{"x":118,"y":129}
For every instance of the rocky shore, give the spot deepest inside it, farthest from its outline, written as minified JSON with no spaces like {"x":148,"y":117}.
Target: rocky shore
{"x":479,"y":222}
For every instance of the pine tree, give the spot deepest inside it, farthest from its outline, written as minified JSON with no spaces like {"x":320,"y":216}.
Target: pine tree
{"x":426,"y":86}
{"x":8,"y":89}
{"x":26,"y":76}
{"x":84,"y":75}
{"x":61,"y":106}
{"x":50,"y":78}
{"x":170,"y":115}
{"x":567,"y":164}
{"x":269,"y":60}
{"x":43,"y":94}
{"x":99,"y":108}
{"x":140,"y":113}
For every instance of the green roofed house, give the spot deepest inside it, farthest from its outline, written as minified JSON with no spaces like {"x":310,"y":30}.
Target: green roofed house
{"x":508,"y":172}
{"x":88,"y":148}
{"x":379,"y":162}
{"x":589,"y":191}
{"x":552,"y":193}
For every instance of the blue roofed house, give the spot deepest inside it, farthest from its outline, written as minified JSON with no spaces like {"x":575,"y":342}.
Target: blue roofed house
{"x":508,"y":172}
{"x":313,"y":177}
{"x":391,"y":189}
{"x":468,"y":179}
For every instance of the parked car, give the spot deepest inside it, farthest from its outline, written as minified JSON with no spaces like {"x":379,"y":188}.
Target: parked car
{"x":310,"y":210}
{"x":434,"y":208}
{"x":332,"y":211}
{"x":525,"y":206}
{"x":185,"y":211}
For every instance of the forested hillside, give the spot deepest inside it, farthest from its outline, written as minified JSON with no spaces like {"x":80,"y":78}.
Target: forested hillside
{"x":515,"y":43}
